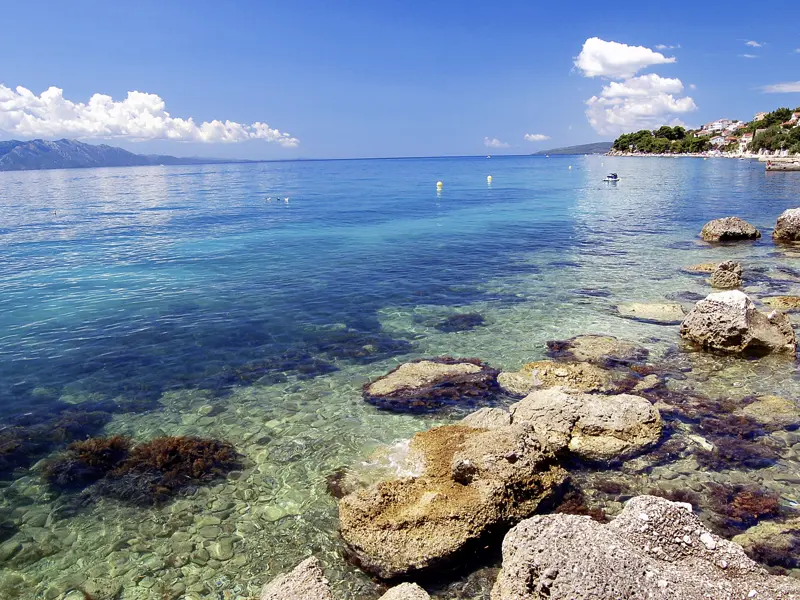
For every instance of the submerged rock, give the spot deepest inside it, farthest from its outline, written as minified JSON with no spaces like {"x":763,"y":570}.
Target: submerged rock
{"x":729,"y":229}
{"x":428,"y":384}
{"x":727,"y":276}
{"x":475,"y":482}
{"x":773,"y":543}
{"x":602,"y":350}
{"x":729,"y":322}
{"x":305,"y":582}
{"x":460,"y":322}
{"x":787,"y":227}
{"x":701,"y":268}
{"x":660,"y":313}
{"x":660,"y":550}
{"x":787,"y":303}
{"x":575,"y":376}
{"x":773,"y":411}
{"x":592,"y":426}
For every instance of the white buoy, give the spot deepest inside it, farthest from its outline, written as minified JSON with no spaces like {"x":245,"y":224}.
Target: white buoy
{"x":488,"y":179}
{"x":570,"y":167}
{"x":439,"y":185}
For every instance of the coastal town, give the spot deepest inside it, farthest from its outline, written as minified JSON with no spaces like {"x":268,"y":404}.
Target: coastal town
{"x":772,"y":137}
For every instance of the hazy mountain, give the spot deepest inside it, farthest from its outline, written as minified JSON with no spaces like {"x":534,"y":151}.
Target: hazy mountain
{"x":71,"y":154}
{"x":596,"y":148}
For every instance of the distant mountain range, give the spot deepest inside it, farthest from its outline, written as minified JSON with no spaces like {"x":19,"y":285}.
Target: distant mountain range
{"x":596,"y":148}
{"x":72,"y":154}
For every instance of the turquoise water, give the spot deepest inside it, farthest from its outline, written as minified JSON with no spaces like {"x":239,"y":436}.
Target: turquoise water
{"x":180,"y":300}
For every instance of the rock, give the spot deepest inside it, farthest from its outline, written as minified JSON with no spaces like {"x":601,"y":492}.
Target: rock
{"x":729,"y":229}
{"x":602,"y":350}
{"x":487,"y":418}
{"x":654,"y":549}
{"x":660,"y":313}
{"x":727,"y":276}
{"x":406,"y":591}
{"x":787,"y":228}
{"x":592,"y":426}
{"x":701,"y":268}
{"x":771,"y":543}
{"x":783,"y":302}
{"x":305,"y":582}
{"x":576,"y":376}
{"x":460,"y":322}
{"x":430,"y":383}
{"x":729,"y":322}
{"x":475,"y":482}
{"x":777,"y":412}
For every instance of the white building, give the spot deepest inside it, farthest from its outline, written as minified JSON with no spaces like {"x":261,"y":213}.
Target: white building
{"x":718,"y":140}
{"x":760,"y":116}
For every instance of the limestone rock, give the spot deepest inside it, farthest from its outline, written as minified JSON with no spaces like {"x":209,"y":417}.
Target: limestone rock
{"x":595,"y":427}
{"x":576,"y":376}
{"x":774,"y":411}
{"x":727,"y":276}
{"x":654,"y":549}
{"x":602,"y":350}
{"x":729,"y":229}
{"x":787,"y":228}
{"x":729,"y":322}
{"x":487,"y":418}
{"x":475,"y":481}
{"x":787,"y":303}
{"x":430,"y":383}
{"x":660,"y":313}
{"x":406,"y":591}
{"x":305,"y":582}
{"x":701,"y":268}
{"x":774,"y":543}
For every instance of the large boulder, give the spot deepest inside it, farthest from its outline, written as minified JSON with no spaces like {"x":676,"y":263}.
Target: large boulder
{"x":305,"y":582}
{"x":729,"y":229}
{"x":603,"y":350}
{"x":427,"y":384}
{"x":729,"y":322}
{"x":594,"y":427}
{"x":654,"y":549}
{"x":475,"y":482}
{"x":727,"y":276}
{"x":576,"y":376}
{"x":487,"y":418}
{"x":787,"y":228}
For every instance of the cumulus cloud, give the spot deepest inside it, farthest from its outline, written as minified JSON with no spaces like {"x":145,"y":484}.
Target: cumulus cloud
{"x":140,"y":116}
{"x":644,"y":102}
{"x":790,"y":87}
{"x":613,"y":60}
{"x":494,"y":143}
{"x":752,"y":44}
{"x":667,"y":47}
{"x":536,"y":137}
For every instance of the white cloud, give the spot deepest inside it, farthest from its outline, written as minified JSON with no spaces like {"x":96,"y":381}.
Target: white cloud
{"x":600,"y":58}
{"x":692,"y":86}
{"x":536,"y":137}
{"x":644,"y":102}
{"x":790,"y":87}
{"x":748,"y":56}
{"x":667,"y":47}
{"x":139,"y":116}
{"x":752,"y":44}
{"x":494,"y":143}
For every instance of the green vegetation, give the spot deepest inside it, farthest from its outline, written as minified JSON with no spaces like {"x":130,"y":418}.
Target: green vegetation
{"x":664,"y":140}
{"x":772,"y":135}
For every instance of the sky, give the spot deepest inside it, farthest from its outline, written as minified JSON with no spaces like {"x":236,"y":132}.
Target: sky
{"x":315,"y":79}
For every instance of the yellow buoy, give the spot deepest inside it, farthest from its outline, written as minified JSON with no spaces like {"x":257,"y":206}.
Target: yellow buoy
{"x":489,"y":179}
{"x":439,"y":185}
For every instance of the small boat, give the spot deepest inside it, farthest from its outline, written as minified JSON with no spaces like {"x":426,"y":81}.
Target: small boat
{"x":611,"y":178}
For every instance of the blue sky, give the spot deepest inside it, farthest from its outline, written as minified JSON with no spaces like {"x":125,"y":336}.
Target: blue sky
{"x":391,"y":78}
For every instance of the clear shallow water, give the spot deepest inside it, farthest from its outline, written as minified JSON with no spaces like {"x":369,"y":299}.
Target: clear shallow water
{"x":183,"y":291}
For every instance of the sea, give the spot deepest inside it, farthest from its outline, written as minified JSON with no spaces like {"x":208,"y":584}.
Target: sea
{"x":251,"y":302}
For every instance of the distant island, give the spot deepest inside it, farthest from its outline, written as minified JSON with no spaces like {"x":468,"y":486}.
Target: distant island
{"x":16,"y":155}
{"x":775,"y":133}
{"x":596,"y":148}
